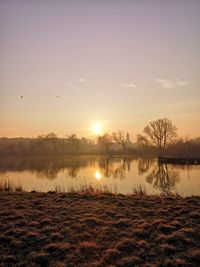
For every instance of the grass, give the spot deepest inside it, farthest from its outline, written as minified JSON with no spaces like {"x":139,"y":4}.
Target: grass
{"x":98,"y":229}
{"x":90,"y":189}
{"x":6,"y":185}
{"x":140,"y":191}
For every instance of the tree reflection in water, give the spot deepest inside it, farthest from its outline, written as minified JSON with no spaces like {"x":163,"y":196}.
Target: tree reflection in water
{"x":52,"y":168}
{"x":47,"y":167}
{"x":144,"y":164}
{"x":120,"y":171}
{"x":116,"y":168}
{"x":50,"y":173}
{"x":164,"y":178}
{"x":106,"y":167}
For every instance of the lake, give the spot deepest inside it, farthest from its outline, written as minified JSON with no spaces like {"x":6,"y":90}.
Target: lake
{"x":117,"y":175}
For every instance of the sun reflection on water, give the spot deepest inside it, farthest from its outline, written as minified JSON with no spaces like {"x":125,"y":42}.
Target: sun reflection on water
{"x":98,"y":175}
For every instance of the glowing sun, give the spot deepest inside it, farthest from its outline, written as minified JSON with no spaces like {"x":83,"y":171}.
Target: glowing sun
{"x":97,"y":128}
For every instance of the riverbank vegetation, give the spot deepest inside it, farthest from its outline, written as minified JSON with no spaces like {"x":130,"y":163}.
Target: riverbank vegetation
{"x":159,"y":137}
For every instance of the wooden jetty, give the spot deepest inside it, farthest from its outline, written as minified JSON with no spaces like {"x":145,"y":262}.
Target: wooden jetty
{"x":193,"y":160}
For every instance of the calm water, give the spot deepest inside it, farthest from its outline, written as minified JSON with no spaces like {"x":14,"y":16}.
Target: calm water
{"x":118,"y":175}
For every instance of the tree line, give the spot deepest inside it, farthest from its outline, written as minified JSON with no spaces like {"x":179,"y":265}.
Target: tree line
{"x":159,"y":136}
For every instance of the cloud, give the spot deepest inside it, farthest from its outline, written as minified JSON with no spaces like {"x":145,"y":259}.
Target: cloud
{"x":181,"y":83}
{"x":166,"y":83}
{"x":68,"y":84}
{"x":72,"y":85}
{"x":81,"y":80}
{"x":128,"y":85}
{"x":170,"y":84}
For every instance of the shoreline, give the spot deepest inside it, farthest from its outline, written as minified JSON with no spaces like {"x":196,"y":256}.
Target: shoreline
{"x":81,"y":156}
{"x":81,"y":229}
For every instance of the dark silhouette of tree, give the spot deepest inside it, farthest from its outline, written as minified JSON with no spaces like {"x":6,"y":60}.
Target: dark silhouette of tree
{"x":142,"y":140}
{"x":185,"y":146}
{"x":39,"y":145}
{"x":161,"y":132}
{"x":51,"y":142}
{"x":106,"y":140}
{"x":160,"y":137}
{"x":120,"y":138}
{"x":74,"y":143}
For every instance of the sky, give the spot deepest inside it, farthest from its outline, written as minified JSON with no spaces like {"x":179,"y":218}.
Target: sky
{"x":77,"y":62}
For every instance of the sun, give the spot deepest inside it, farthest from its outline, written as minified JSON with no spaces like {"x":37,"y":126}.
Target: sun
{"x":97,"y":128}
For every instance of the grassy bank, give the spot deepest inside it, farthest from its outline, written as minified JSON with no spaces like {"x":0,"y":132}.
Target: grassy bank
{"x":77,"y":229}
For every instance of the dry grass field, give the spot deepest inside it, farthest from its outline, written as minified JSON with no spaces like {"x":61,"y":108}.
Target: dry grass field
{"x":81,"y":229}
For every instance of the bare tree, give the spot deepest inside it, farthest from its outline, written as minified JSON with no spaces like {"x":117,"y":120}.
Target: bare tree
{"x":161,"y":132}
{"x":106,"y":140}
{"x":120,"y":138}
{"x":142,"y":140}
{"x":169,"y":131}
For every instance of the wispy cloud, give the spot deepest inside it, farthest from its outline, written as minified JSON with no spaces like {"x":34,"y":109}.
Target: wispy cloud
{"x":170,"y":84}
{"x":72,"y":85}
{"x":166,"y":83}
{"x":81,"y":80}
{"x":181,"y":83}
{"x":128,"y":85}
{"x":67,"y":84}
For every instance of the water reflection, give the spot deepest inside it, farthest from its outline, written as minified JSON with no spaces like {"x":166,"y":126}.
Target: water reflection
{"x":45,"y":167}
{"x":97,"y":175}
{"x":163,"y":178}
{"x":144,"y":165}
{"x":49,"y":168}
{"x":116,"y":168}
{"x":120,"y":173}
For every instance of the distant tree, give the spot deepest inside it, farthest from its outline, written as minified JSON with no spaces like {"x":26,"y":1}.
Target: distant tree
{"x":161,"y":132}
{"x":51,"y":143}
{"x":106,"y":141}
{"x":142,"y":140}
{"x":40,"y":145}
{"x":73,"y":142}
{"x":120,"y":138}
{"x":185,"y":146}
{"x":51,"y":136}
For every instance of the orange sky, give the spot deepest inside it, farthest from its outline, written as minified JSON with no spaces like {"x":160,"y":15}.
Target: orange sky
{"x":123,"y":63}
